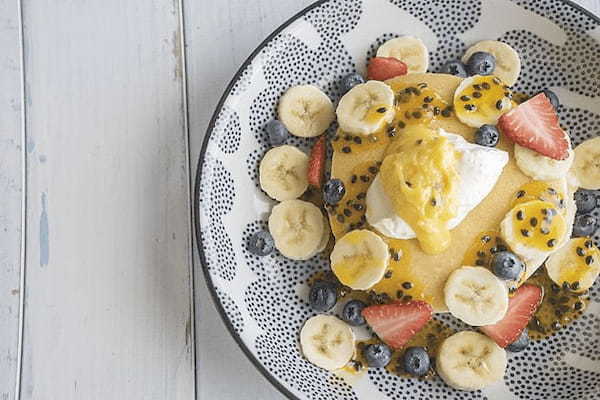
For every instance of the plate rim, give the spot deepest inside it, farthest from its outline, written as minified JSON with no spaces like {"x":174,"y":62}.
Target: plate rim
{"x":196,"y":206}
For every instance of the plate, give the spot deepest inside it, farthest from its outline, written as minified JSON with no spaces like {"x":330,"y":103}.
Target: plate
{"x":263,"y":301}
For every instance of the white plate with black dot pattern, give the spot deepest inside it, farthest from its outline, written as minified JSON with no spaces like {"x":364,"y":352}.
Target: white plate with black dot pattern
{"x":263,"y":300}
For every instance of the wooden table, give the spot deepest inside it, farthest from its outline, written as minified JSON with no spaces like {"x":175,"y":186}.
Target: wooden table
{"x":102,"y":114}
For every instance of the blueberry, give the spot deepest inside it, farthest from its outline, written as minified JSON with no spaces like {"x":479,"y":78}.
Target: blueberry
{"x":333,"y":191}
{"x":481,"y":63}
{"x":352,"y":312}
{"x":377,"y":355}
{"x":454,"y":67}
{"x":585,"y":225}
{"x":520,"y":344}
{"x":416,"y":361}
{"x":261,"y":243}
{"x":277,"y":132}
{"x":506,"y":265}
{"x":487,"y":135}
{"x":349,"y":81}
{"x":323,"y":295}
{"x":552,"y":97}
{"x":585,"y":201}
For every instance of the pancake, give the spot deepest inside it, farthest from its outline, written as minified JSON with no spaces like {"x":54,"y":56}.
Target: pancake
{"x":426,"y":273}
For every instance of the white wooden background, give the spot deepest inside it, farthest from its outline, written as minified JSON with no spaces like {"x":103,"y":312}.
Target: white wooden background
{"x":96,"y":161}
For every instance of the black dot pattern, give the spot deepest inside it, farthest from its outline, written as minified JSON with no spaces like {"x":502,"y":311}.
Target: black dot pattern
{"x":540,"y":372}
{"x":228,"y":130}
{"x":217,"y":196}
{"x":275,"y":300}
{"x":286,"y":362}
{"x":561,"y":13}
{"x":243,"y":82}
{"x":232,"y":310}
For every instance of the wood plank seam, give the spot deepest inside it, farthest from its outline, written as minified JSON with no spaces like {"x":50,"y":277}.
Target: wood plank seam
{"x":23,"y":204}
{"x":190,"y":327}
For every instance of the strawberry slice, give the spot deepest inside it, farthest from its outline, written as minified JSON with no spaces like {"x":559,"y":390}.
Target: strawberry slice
{"x":534,"y":124}
{"x":383,"y":68}
{"x":316,"y":163}
{"x":397,"y":323}
{"x":521,"y":308}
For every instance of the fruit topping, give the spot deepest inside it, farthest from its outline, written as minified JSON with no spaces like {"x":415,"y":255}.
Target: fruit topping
{"x":378,"y":355}
{"x":487,"y":135}
{"x":397,"y":323}
{"x":533,"y":229}
{"x":408,"y":49}
{"x":316,"y":163}
{"x":475,"y":296}
{"x":333,"y":191}
{"x":277,"y":132}
{"x":454,"y":67}
{"x":305,"y":111}
{"x":585,"y":225}
{"x":349,"y":81}
{"x":534,"y":124}
{"x":521,"y":307}
{"x":576,"y":265}
{"x":485,"y":246}
{"x":283,"y":173}
{"x":261,"y":243}
{"x":322,"y":296}
{"x":508,"y":63}
{"x":384,"y":68}
{"x":481,"y":63}
{"x":352,"y":312}
{"x":587,"y":164}
{"x":539,"y":190}
{"x":481,"y":100}
{"x":415,"y":361}
{"x":507,"y":266}
{"x":585,"y":201}
{"x":365,"y":109}
{"x":327,"y":342}
{"x":360,"y":259}
{"x":520,"y":344}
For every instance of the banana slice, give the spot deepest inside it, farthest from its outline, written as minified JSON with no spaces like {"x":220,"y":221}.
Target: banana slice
{"x":325,"y":237}
{"x":540,"y":167}
{"x":305,"y":111}
{"x":508,"y":63}
{"x":327,"y":342}
{"x":577,"y":261}
{"x":587,"y":164}
{"x":366,"y":108}
{"x":480,"y":100}
{"x":475,"y":296}
{"x":359,"y":259}
{"x":297,"y":228}
{"x":534,"y":229}
{"x":410,"y":50}
{"x":283,"y":173}
{"x":470,"y":361}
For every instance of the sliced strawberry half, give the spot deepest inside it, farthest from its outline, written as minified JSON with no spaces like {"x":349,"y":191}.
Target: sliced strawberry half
{"x":521,"y":308}
{"x":384,"y":68}
{"x":534,"y":124}
{"x":316,"y":163}
{"x":397,"y":323}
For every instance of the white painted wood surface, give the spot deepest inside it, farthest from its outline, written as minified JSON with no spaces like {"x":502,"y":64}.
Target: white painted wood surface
{"x":10,"y":190}
{"x":107,"y":300}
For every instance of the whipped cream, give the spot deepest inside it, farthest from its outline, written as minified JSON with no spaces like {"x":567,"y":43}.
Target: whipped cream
{"x":478,"y":168}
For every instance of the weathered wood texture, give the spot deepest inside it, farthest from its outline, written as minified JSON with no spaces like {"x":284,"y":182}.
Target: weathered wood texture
{"x":107,"y":303}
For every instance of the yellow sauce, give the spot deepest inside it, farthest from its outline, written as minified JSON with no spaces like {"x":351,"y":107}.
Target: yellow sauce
{"x":483,"y":248}
{"x":539,"y":190}
{"x":419,"y":176}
